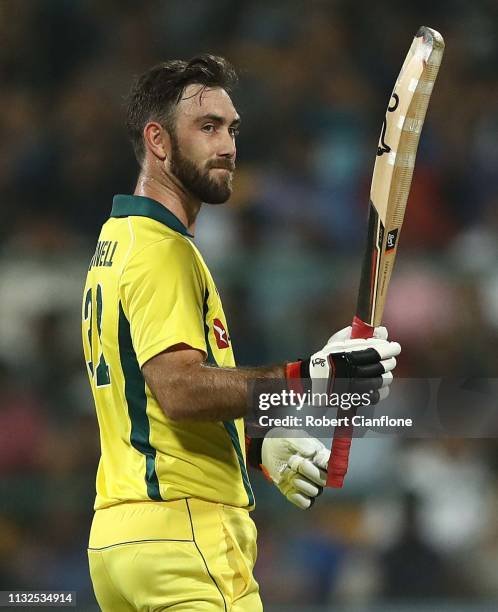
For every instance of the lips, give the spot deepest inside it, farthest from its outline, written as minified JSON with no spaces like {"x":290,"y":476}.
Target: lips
{"x":230,"y":168}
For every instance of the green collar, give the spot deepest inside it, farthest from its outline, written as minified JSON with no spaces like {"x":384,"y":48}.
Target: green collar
{"x":139,"y":206}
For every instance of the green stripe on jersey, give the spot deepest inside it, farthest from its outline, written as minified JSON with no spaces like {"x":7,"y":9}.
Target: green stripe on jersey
{"x":210,"y":357}
{"x":229,"y":425}
{"x":136,"y":399}
{"x":234,"y":437}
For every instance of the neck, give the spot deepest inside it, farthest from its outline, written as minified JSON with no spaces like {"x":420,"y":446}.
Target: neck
{"x":166,"y":189}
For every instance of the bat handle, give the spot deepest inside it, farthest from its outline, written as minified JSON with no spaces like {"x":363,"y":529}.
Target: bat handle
{"x":341,"y":444}
{"x":361,"y":329}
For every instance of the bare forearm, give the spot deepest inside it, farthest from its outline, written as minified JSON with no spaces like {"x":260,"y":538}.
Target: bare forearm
{"x":203,"y":393}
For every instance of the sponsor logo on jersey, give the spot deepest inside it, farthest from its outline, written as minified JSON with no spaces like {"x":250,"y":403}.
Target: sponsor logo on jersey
{"x":220,"y":333}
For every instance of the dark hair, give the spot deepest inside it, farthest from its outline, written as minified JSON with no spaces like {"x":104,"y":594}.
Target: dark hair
{"x":155,"y":94}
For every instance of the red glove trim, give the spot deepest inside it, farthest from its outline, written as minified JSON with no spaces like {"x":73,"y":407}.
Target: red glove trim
{"x":293,"y":375}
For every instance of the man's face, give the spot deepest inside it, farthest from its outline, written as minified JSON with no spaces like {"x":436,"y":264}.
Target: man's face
{"x":203,"y":143}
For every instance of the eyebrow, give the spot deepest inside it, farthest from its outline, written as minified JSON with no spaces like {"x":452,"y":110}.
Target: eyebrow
{"x":218,"y":119}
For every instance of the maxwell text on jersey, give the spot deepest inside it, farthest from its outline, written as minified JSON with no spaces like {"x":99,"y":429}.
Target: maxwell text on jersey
{"x":102,"y":258}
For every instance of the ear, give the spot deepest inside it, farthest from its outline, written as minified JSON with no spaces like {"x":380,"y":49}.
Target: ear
{"x":157,"y":140}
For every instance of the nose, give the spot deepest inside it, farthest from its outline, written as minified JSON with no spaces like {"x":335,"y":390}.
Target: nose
{"x":227,"y":146}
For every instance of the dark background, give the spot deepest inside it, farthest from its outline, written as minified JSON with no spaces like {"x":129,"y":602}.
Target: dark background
{"x":417,"y":520}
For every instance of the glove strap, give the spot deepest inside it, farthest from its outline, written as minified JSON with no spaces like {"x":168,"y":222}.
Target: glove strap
{"x":253,"y":451}
{"x":253,"y":454}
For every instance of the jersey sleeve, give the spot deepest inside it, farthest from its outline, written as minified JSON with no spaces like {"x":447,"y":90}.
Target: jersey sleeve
{"x":162,"y":294}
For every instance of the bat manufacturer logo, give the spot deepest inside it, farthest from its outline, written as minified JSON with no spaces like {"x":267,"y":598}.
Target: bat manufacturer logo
{"x":318,"y":361}
{"x":220,"y":334}
{"x":384,"y":147}
{"x":391,"y":240}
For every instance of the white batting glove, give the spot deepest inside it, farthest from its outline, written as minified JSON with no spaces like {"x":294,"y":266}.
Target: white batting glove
{"x":296,"y":463}
{"x":366,"y":363}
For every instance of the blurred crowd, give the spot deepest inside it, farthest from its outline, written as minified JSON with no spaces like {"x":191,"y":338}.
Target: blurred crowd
{"x":417,"y":519}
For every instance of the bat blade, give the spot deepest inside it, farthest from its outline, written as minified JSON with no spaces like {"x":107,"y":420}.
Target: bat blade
{"x":391,"y":181}
{"x":393,"y":170}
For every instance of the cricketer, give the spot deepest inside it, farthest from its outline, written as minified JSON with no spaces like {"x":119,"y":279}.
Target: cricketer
{"x":172,"y":529}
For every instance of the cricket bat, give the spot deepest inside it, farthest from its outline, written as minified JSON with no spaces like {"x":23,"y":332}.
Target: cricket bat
{"x":392,"y":177}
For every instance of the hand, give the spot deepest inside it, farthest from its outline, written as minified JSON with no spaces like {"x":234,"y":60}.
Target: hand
{"x":352,"y":365}
{"x":296,"y":463}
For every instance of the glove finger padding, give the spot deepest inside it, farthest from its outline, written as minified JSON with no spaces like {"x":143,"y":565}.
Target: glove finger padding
{"x":292,"y":482}
{"x":304,"y":486}
{"x":387,"y":379}
{"x":303,"y":446}
{"x":368,"y":371}
{"x":308,"y":469}
{"x":365,"y":385}
{"x":384,"y":348}
{"x":380,"y":332}
{"x":389,"y":364}
{"x":321,"y":458}
{"x":363,"y":357}
{"x":371,"y":351}
{"x":300,"y":500}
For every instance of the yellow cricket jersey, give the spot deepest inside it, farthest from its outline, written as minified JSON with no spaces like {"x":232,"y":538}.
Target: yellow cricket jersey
{"x":148,"y":288}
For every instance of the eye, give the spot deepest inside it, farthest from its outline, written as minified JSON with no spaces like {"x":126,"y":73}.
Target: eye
{"x":208,"y":128}
{"x":233,"y":132}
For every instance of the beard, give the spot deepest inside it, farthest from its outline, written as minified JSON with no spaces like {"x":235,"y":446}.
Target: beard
{"x":198,"y":182}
